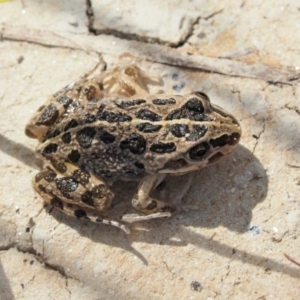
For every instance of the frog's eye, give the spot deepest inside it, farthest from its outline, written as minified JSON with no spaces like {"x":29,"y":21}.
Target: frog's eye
{"x":202,"y":95}
{"x":198,"y":152}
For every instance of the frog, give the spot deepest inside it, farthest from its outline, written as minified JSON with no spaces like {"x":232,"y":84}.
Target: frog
{"x":106,"y":128}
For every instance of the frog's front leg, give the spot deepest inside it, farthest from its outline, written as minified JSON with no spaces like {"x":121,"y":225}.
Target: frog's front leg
{"x":127,"y":80}
{"x":76,"y":193}
{"x":142,"y":201}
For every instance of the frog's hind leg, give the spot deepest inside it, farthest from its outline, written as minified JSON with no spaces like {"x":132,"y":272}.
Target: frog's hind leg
{"x":80,"y":213}
{"x":57,"y":106}
{"x":76,"y":193}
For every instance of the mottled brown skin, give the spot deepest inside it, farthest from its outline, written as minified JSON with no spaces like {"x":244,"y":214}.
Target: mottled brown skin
{"x":100,"y":130}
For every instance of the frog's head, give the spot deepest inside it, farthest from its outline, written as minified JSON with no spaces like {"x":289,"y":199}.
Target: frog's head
{"x":204,"y":133}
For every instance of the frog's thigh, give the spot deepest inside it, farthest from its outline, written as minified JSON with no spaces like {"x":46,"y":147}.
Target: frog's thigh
{"x":54,"y":108}
{"x":74,"y":186}
{"x":143,"y":202}
{"x":76,"y":193}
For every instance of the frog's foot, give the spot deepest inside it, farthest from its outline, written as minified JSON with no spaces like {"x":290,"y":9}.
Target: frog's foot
{"x":130,"y":218}
{"x":75,"y":192}
{"x":85,"y":214}
{"x":148,"y":205}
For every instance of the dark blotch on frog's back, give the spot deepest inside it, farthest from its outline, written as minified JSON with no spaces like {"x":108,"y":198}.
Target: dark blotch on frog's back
{"x":179,"y":130}
{"x":106,"y":137}
{"x":198,"y":132}
{"x":112,"y":117}
{"x":146,"y":114}
{"x":89,"y":118}
{"x":85,"y":136}
{"x":161,"y":148}
{"x":74,"y":156}
{"x":193,"y":110}
{"x":65,"y":101}
{"x":148,"y":127}
{"x":71,"y":124}
{"x":135,"y":143}
{"x":51,"y":148}
{"x":48,"y":116}
{"x":129,"y":103}
{"x":66,"y":138}
{"x":164,"y":101}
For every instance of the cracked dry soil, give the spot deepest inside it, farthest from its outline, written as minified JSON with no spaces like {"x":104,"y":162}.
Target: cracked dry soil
{"x":238,"y":237}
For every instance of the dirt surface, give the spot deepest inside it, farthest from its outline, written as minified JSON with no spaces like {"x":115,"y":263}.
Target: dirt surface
{"x":237,"y":234}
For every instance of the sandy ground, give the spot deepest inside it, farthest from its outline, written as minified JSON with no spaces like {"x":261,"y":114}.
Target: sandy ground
{"x":238,"y":237}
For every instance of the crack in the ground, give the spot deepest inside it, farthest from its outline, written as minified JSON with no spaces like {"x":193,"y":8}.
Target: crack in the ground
{"x":294,"y":77}
{"x":192,"y":28}
{"x":257,"y":137}
{"x":294,"y":108}
{"x":238,"y":92}
{"x":9,"y":246}
{"x":137,"y":37}
{"x":151,"y":52}
{"x":41,"y":42}
{"x":40,"y":257}
{"x":67,"y":287}
{"x":129,"y":36}
{"x":117,"y":33}
{"x":56,"y":268}
{"x":213,"y":14}
{"x":188,"y":34}
{"x":90,"y":16}
{"x":61,"y":271}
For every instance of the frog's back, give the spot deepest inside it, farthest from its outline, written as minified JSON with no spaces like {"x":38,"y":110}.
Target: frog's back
{"x":108,"y":136}
{"x":119,"y":137}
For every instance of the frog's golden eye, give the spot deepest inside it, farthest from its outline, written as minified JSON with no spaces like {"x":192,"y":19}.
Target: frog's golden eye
{"x":198,"y":152}
{"x":202,"y":95}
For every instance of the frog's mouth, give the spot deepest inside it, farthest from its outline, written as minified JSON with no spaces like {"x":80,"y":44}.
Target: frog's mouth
{"x":181,"y":166}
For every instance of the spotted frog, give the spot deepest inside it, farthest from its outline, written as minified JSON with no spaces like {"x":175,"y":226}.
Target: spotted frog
{"x":99,"y":130}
